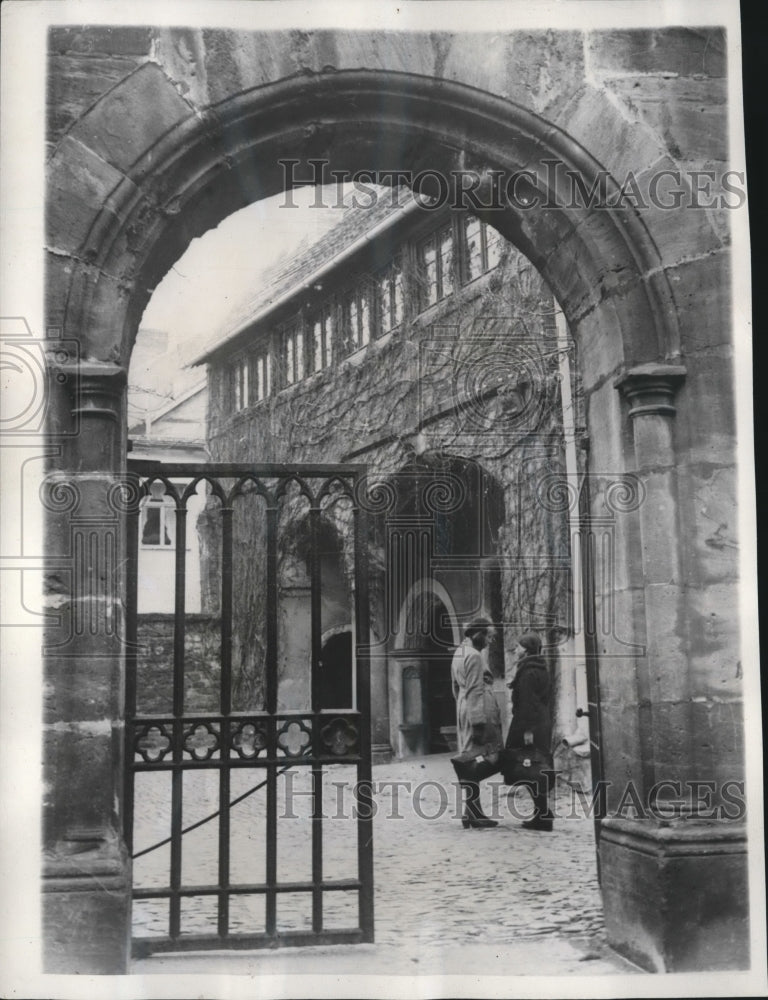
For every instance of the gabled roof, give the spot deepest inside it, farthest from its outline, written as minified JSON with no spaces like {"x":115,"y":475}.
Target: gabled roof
{"x":357,"y":224}
{"x":200,"y":386}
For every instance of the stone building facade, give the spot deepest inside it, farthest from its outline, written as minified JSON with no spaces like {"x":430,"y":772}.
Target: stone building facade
{"x":156,"y":134}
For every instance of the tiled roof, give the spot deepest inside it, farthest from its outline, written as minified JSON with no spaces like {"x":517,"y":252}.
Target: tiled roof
{"x":296,"y":268}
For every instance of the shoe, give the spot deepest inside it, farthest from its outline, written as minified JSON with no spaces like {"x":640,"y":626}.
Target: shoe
{"x":474,"y":818}
{"x":478,"y":822}
{"x":538,"y":823}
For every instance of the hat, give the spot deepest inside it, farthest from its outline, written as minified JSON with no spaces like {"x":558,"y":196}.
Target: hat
{"x":477,"y":625}
{"x":531,"y":642}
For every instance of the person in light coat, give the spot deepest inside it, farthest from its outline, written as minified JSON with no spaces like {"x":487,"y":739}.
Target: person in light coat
{"x":478,"y":720}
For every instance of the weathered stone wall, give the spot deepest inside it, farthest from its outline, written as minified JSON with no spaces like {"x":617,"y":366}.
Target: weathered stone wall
{"x":154,"y":666}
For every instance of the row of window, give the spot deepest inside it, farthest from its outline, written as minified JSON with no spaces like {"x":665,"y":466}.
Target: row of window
{"x":449,"y":257}
{"x":440,"y":268}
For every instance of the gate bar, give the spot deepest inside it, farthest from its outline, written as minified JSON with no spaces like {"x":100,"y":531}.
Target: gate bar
{"x":225,"y":695}
{"x":271,"y":692}
{"x":230,"y":470}
{"x":362,"y":638}
{"x":315,"y":607}
{"x":177,"y":778}
{"x":200,"y":942}
{"x":131,"y":658}
{"x":315,"y":584}
{"x":179,"y":621}
{"x":226,"y":610}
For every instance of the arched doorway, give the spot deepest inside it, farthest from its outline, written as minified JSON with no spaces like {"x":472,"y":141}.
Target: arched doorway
{"x":441,"y":536}
{"x":181,"y":176}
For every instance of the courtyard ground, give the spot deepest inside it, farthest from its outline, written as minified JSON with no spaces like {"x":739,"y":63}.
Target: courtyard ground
{"x":448,"y":901}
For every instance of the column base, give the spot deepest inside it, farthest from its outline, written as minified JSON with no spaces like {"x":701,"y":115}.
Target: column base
{"x":676,"y":897}
{"x":381,"y":753}
{"x":87,"y":908}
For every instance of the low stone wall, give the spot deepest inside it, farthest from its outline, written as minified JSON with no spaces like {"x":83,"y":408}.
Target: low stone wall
{"x":202,"y":668}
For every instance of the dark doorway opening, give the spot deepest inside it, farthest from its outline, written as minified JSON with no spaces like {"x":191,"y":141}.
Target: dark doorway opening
{"x":440,"y":705}
{"x":336,"y":672}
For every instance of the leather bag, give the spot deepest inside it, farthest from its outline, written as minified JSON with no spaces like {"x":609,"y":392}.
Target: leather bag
{"x":526,"y":766}
{"x":471,"y":766}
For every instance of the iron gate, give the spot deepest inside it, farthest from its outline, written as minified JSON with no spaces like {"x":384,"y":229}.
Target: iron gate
{"x":192,"y":752}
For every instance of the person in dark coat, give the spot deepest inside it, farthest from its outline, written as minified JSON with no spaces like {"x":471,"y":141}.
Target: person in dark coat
{"x":531,"y":724}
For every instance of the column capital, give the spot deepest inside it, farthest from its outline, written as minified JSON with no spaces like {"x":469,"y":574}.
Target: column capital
{"x":88,"y":410}
{"x":95,"y":386}
{"x":650,"y":389}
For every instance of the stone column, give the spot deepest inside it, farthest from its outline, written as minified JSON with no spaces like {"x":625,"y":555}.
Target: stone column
{"x":673,"y":877}
{"x":381,"y":749}
{"x":86,"y":875}
{"x":649,"y":391}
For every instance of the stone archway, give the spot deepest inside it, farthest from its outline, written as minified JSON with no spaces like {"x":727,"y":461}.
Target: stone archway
{"x":143,"y":170}
{"x":203,"y":168}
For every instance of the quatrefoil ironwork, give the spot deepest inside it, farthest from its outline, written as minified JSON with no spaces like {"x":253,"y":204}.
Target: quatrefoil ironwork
{"x":152,"y":743}
{"x":249,"y":739}
{"x":201,"y":741}
{"x":340,"y":736}
{"x":294,"y":738}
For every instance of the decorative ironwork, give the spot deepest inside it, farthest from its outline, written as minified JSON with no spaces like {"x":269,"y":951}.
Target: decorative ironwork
{"x":222,"y":742}
{"x":248,"y":739}
{"x":201,"y":740}
{"x":294,"y":738}
{"x":340,"y":737}
{"x":152,"y":743}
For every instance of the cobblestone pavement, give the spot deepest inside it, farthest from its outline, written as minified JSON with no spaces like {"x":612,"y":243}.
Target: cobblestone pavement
{"x":437,"y":886}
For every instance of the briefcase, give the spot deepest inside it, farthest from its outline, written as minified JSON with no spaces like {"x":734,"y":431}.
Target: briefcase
{"x":473,"y":766}
{"x":525,"y":765}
